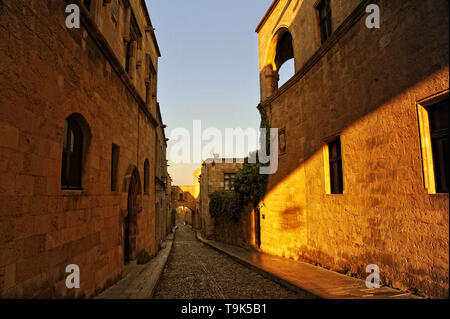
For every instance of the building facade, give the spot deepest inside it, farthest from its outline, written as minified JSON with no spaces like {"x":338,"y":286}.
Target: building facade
{"x":216,"y":175}
{"x":78,"y":145}
{"x":162,"y":180}
{"x":363,"y":136}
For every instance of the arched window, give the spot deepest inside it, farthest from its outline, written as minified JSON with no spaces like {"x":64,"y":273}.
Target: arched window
{"x":72,"y":154}
{"x":146,"y":175}
{"x":284,"y":58}
{"x":279,"y":63}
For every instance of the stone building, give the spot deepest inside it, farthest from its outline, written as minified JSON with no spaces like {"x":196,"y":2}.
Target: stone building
{"x":79,"y":144}
{"x":363,"y":138}
{"x":216,"y":175}
{"x":163,"y":190}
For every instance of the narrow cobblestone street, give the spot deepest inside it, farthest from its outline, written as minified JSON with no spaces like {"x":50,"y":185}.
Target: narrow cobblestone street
{"x":195,"y":271}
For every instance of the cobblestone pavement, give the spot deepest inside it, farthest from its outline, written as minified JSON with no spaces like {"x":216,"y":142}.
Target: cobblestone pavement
{"x":195,"y":271}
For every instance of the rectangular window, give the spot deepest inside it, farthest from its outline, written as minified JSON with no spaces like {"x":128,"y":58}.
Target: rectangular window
{"x":335,"y":165}
{"x":114,"y":166}
{"x":153,"y":79}
{"x":128,"y":56}
{"x":434,"y":126}
{"x":147,"y":92}
{"x":324,"y":13}
{"x":438,"y":117}
{"x":131,"y":45}
{"x":228,"y":181}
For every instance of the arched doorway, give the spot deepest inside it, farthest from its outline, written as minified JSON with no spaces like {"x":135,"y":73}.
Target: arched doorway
{"x":130,"y":219}
{"x":184,"y":214}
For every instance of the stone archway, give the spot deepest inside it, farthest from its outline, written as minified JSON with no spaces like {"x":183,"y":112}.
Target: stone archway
{"x":278,"y":52}
{"x":131,"y":207}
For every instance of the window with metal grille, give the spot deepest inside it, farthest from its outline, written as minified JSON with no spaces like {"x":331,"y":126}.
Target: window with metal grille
{"x":438,"y":117}
{"x":72,"y":155}
{"x":324,"y":11}
{"x":336,"y":176}
{"x":114,"y":166}
{"x":228,"y":181}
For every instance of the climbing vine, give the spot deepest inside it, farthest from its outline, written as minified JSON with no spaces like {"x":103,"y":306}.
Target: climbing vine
{"x":265,"y":123}
{"x":224,"y":204}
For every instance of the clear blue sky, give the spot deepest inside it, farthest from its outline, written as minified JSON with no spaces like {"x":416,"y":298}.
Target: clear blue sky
{"x":209,"y":65}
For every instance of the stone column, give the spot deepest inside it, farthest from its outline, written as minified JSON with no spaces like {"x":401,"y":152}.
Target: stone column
{"x":269,"y":81}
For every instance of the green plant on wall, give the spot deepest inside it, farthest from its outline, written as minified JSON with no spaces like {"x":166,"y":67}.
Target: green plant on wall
{"x":265,"y":123}
{"x":249,"y":185}
{"x":224,"y":204}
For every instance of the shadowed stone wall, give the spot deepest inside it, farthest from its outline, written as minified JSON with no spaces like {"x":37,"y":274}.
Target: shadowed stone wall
{"x":48,"y":73}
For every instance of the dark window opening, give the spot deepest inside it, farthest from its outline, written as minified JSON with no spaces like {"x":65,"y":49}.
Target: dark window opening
{"x":324,"y":10}
{"x":228,"y":181}
{"x":128,"y":56}
{"x":147,"y":92}
{"x":180,"y":196}
{"x":438,"y":116}
{"x":87,"y":4}
{"x":134,"y":36}
{"x":336,"y":176}
{"x":152,"y":78}
{"x":72,"y":155}
{"x":114,"y":166}
{"x":146,"y":175}
{"x":284,"y":58}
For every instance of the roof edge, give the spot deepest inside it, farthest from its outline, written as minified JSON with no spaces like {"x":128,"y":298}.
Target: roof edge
{"x":149,"y":21}
{"x":266,"y":15}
